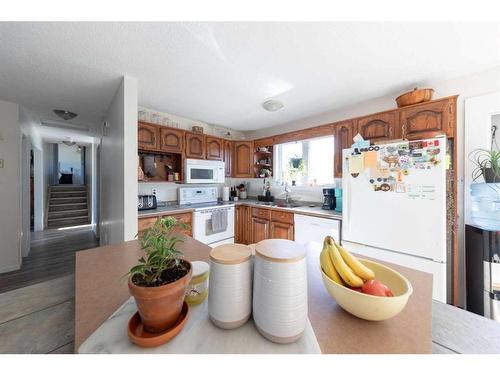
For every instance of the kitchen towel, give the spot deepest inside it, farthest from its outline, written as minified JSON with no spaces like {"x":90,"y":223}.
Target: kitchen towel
{"x":219,"y":220}
{"x":199,"y":336}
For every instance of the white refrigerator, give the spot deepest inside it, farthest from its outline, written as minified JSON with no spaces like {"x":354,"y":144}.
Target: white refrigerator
{"x":394,"y":205}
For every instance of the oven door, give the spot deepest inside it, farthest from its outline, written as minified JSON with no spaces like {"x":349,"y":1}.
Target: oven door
{"x":202,"y":226}
{"x":201,"y":174}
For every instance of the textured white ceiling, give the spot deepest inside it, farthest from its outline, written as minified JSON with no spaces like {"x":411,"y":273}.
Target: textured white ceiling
{"x":222,"y":72}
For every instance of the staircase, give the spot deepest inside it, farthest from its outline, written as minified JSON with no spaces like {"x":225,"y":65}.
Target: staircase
{"x":68,"y":206}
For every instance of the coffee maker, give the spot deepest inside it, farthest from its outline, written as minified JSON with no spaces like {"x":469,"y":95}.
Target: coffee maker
{"x":330,"y":201}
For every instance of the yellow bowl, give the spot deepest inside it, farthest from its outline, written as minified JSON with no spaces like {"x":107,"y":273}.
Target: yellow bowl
{"x":366,"y":306}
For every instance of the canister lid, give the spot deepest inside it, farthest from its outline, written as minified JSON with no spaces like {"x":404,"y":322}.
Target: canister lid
{"x":283,"y":251}
{"x":230,"y":254}
{"x":252,"y":247}
{"x":199,"y":268}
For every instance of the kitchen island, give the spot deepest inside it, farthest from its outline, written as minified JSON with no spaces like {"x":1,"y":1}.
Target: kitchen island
{"x":101,"y":289}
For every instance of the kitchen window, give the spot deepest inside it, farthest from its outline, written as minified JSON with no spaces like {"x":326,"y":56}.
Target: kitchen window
{"x":305,"y":163}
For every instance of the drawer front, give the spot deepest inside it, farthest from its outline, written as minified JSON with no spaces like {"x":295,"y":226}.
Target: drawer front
{"x":261,"y":213}
{"x":145,"y":223}
{"x":282,"y":217}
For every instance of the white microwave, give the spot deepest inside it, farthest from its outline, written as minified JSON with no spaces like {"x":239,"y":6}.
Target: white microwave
{"x":198,"y":171}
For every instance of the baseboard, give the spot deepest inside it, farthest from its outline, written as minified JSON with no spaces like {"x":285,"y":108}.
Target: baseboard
{"x":10,"y":268}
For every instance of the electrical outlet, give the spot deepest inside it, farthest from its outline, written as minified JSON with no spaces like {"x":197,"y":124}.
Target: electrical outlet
{"x":154,"y":191}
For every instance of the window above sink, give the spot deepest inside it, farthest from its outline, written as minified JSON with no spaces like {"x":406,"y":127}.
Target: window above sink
{"x":305,"y":163}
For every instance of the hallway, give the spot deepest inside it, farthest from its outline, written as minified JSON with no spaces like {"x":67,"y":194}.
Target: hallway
{"x":52,"y":255}
{"x":37,"y":301}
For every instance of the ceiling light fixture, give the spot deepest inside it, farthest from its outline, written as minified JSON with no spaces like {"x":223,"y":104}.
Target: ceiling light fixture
{"x":272,"y":105}
{"x":65,"y":115}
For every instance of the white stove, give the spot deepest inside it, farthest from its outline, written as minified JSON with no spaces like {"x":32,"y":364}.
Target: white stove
{"x":204,"y":200}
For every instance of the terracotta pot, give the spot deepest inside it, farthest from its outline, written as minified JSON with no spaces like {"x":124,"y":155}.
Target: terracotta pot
{"x":160,"y":306}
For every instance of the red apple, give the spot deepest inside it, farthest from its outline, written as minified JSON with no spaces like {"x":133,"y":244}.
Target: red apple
{"x":376,"y":288}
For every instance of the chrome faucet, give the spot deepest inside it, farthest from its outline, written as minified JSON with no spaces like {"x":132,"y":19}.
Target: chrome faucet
{"x":287,"y":191}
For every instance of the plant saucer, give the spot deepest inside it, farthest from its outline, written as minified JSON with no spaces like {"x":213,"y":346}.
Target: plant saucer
{"x":139,"y":336}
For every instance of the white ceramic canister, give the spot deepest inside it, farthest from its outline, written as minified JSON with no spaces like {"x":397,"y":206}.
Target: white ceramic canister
{"x":280,"y":290}
{"x":230,"y":285}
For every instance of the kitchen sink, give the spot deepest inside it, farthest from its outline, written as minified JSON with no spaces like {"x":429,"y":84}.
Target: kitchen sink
{"x":280,"y":205}
{"x":288,"y":205}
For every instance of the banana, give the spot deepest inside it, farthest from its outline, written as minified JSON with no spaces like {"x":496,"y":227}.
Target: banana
{"x":358,"y":268}
{"x":345,"y":272}
{"x":328,"y":267}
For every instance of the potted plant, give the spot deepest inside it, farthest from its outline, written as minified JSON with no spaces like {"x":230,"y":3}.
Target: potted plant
{"x":158,"y":283}
{"x":487,"y":164}
{"x":296,"y":168}
{"x":296,"y":162}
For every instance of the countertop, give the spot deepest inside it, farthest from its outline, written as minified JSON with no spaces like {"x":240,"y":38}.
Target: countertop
{"x":316,"y":211}
{"x":101,"y":289}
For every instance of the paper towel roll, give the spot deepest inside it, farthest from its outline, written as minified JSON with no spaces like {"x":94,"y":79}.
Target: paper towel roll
{"x":225,"y":193}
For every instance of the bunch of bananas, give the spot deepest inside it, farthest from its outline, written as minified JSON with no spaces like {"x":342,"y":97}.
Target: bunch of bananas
{"x":343,"y":267}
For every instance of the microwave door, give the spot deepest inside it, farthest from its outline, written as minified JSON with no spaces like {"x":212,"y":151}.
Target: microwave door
{"x":200,"y":174}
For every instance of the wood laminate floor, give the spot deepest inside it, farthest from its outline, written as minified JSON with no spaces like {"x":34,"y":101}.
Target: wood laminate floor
{"x":52,"y":255}
{"x":37,"y":302}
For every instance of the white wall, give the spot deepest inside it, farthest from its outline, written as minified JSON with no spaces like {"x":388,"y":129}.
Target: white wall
{"x":118,"y":169}
{"x":10,"y":186}
{"x":479,"y":117}
{"x":30,"y":139}
{"x":91,"y":182}
{"x":168,"y":119}
{"x":39,"y":188}
{"x":25,"y":196}
{"x":466,"y":87}
{"x":49,"y":175}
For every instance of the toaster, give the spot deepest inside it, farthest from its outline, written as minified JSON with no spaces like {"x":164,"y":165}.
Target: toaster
{"x":146,"y":202}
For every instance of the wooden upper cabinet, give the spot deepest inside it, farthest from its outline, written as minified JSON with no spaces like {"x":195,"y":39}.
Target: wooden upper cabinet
{"x":228,"y":157}
{"x":214,"y":148}
{"x":195,"y":146}
{"x":428,"y":119}
{"x":343,"y":139}
{"x":147,"y":136}
{"x":171,"y":140}
{"x":243,"y":159}
{"x":378,"y":127}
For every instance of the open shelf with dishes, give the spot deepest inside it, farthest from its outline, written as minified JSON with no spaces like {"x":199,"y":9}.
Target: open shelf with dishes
{"x":263,"y":162}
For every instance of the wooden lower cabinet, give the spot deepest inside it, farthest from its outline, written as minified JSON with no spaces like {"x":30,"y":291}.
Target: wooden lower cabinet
{"x":256,"y":224}
{"x":185,"y":217}
{"x":242,"y":229}
{"x":260,"y":229}
{"x":283,"y":231}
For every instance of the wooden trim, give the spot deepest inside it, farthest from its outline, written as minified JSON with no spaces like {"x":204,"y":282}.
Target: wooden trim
{"x":328,"y":129}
